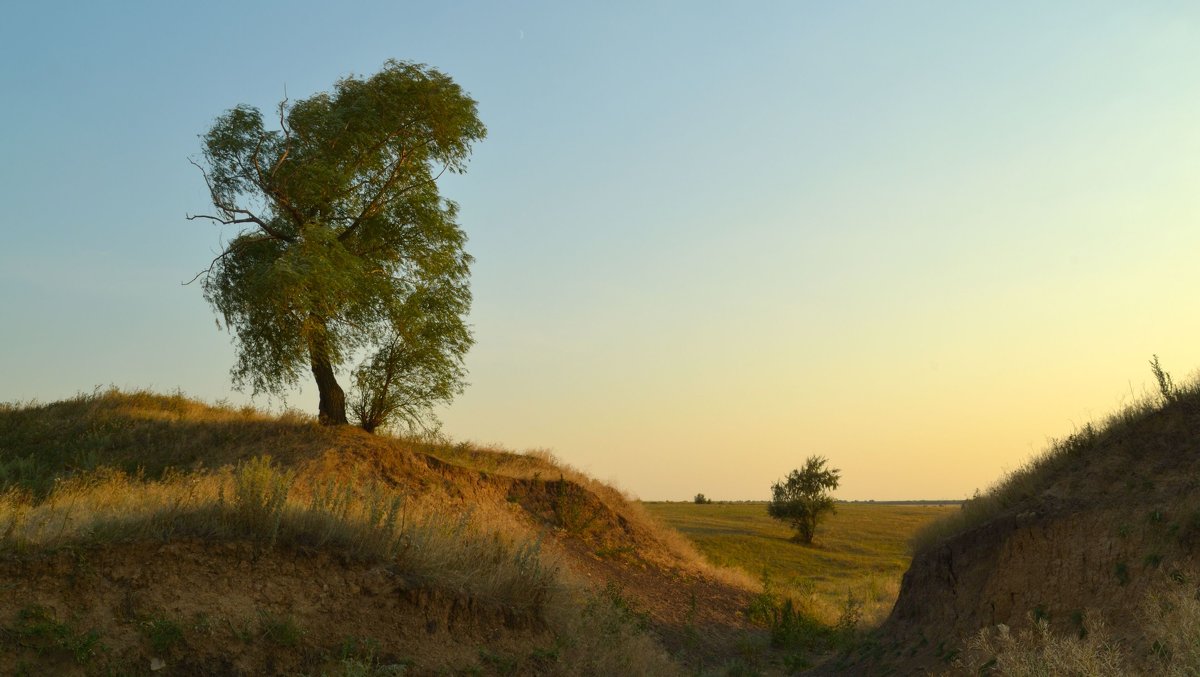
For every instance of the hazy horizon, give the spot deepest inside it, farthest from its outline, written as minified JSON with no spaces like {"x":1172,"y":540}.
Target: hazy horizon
{"x":919,"y":240}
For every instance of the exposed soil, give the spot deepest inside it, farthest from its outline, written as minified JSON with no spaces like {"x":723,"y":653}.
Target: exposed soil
{"x":1100,"y":528}
{"x":237,"y":613}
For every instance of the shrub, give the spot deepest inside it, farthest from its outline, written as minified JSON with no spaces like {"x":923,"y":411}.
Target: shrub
{"x":701,"y":499}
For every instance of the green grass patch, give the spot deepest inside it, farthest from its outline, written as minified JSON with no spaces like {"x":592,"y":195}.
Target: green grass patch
{"x":860,"y":552}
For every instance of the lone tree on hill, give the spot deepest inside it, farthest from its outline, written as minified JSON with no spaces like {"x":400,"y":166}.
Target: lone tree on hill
{"x":801,"y":499}
{"x":346,"y":250}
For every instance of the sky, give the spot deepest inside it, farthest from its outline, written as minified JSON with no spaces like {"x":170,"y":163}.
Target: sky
{"x":921,"y":239}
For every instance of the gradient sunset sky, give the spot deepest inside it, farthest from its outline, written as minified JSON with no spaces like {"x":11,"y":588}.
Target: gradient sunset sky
{"x":918,"y":238}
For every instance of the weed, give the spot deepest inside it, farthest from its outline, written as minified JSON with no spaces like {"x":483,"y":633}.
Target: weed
{"x":1189,"y":531}
{"x":1040,"y":614}
{"x":243,"y":631}
{"x":792,"y":628}
{"x":359,"y":657}
{"x":617,"y":552}
{"x":739,"y":667}
{"x":545,"y":657}
{"x":1077,"y":621}
{"x":571,"y":511}
{"x":260,"y":492}
{"x":796,"y":662}
{"x":1166,"y":387}
{"x":38,"y":629}
{"x":1121,"y":571}
{"x":163,"y":634}
{"x":202,"y":624}
{"x":848,"y":620}
{"x":614,"y":595}
{"x":498,"y":664}
{"x":282,"y":631}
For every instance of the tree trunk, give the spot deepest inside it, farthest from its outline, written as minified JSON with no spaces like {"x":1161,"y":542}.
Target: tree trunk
{"x":332,"y":408}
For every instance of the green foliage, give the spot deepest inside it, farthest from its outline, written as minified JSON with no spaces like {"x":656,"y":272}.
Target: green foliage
{"x":347,"y":247}
{"x":623,"y":610}
{"x":410,"y":373}
{"x":38,"y":629}
{"x":1121,"y":571}
{"x":280,"y":630}
{"x":802,"y":500}
{"x":701,"y":499}
{"x":164,"y":634}
{"x":791,"y":627}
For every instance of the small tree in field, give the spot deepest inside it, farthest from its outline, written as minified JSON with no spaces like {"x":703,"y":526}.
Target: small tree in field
{"x":802,"y":499}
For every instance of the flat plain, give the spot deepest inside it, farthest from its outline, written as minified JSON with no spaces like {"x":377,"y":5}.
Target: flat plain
{"x":858,"y":556}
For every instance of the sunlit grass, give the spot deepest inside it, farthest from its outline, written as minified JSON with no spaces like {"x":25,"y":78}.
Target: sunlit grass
{"x":861,"y":551}
{"x":113,"y":470}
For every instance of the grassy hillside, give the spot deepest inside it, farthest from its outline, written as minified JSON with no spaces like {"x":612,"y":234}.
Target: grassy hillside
{"x":859,"y":553}
{"x":1084,"y":561}
{"x":142,"y":530}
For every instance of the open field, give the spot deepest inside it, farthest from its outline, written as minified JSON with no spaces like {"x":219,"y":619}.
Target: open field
{"x":860,"y":551}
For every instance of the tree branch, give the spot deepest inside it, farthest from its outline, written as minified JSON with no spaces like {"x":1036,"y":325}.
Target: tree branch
{"x":376,"y":204}
{"x":269,"y":189}
{"x":233,"y":246}
{"x":249,"y":217}
{"x":287,"y":136}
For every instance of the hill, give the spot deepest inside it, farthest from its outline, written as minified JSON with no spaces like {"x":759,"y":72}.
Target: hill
{"x":142,"y":532}
{"x":1082,"y":562}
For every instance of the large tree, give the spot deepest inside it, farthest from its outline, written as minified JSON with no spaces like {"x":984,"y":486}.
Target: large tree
{"x":345,"y":249}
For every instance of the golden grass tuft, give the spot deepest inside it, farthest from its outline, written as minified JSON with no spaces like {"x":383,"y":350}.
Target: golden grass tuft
{"x":1169,"y":646}
{"x":262,"y":504}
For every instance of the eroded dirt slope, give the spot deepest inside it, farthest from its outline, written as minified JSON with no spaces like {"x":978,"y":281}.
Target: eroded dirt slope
{"x":1093,"y":527}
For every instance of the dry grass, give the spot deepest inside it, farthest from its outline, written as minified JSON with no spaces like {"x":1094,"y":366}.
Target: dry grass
{"x":666,"y":546}
{"x":259,"y":502}
{"x":1170,"y":646}
{"x":119,"y":467}
{"x":139,"y":433}
{"x":1037,"y":652}
{"x":1171,"y":613}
